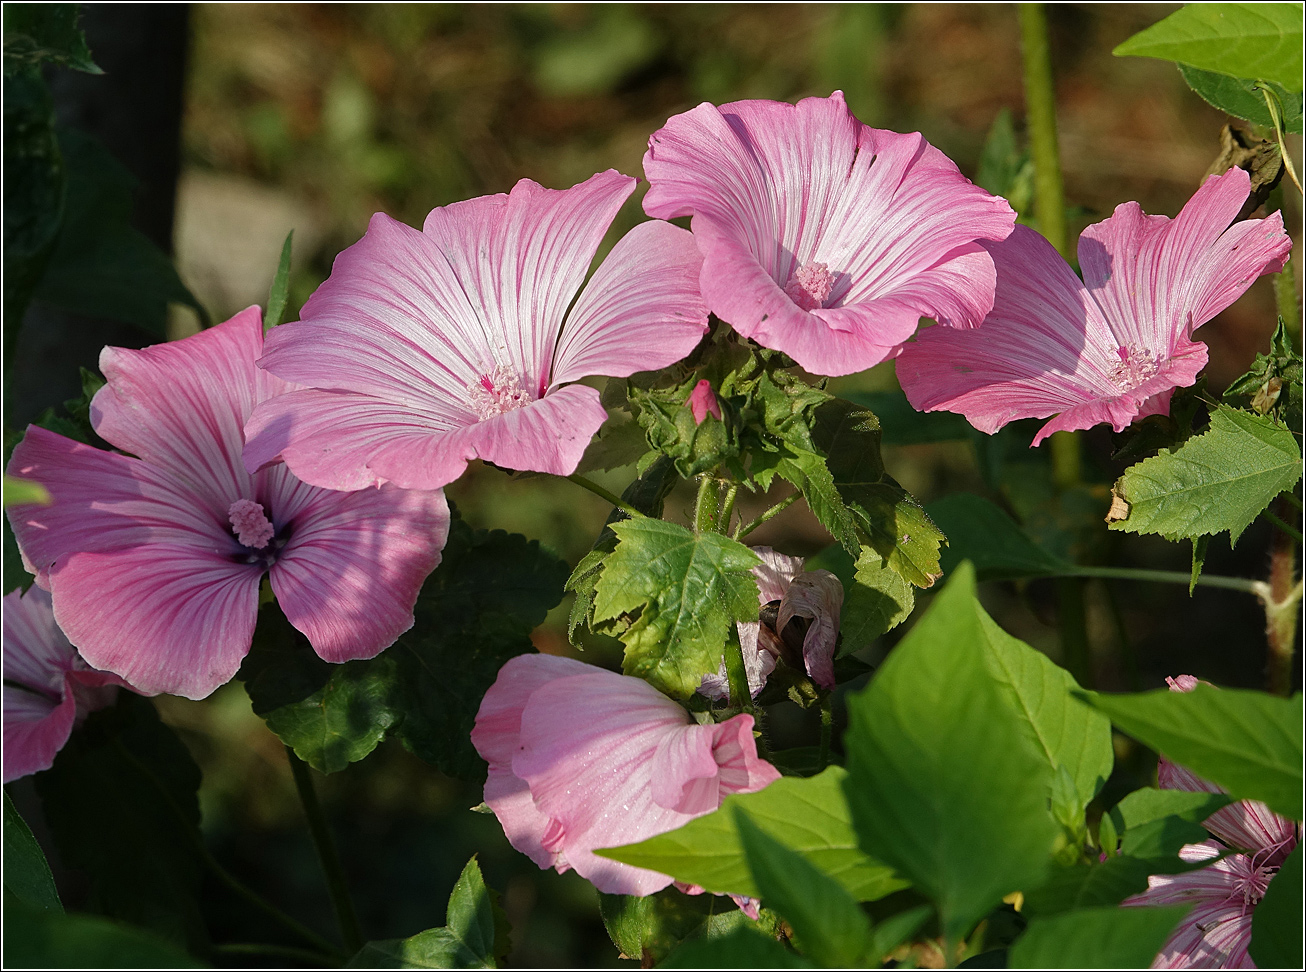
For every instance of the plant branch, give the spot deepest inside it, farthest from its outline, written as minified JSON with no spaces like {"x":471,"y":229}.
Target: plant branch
{"x":1280,"y":524}
{"x":599,"y":491}
{"x":728,"y":506}
{"x":707,"y":505}
{"x":745,"y":529}
{"x":1245,"y":584}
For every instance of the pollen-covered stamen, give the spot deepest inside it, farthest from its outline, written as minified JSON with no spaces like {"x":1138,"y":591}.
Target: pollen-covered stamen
{"x":1251,"y":885}
{"x":250,"y":523}
{"x":810,"y":286}
{"x":1136,"y":366}
{"x":498,"y":392}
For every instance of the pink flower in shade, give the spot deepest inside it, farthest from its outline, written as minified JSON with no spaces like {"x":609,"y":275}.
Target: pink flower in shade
{"x":1113,"y":347}
{"x":702,"y":402}
{"x":1218,"y":929}
{"x":425,"y":350}
{"x":48,"y":688}
{"x":822,"y":237}
{"x":154,"y":562}
{"x":788,"y":596}
{"x":582,"y":758}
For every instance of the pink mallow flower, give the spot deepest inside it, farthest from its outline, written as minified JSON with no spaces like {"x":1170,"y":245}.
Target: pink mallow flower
{"x":1217,"y":930}
{"x":154,"y":559}
{"x":822,"y":237}
{"x":1112,"y":347}
{"x":48,"y":688}
{"x":425,"y":350}
{"x":582,"y":758}
{"x":799,"y":623}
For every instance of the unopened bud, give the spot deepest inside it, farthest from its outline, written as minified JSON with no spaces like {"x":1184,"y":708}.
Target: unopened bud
{"x":702,"y":401}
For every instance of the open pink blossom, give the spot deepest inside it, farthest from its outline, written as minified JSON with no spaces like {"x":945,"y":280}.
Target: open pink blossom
{"x":154,"y":559}
{"x":48,"y":688}
{"x":1113,"y":347}
{"x":799,"y":622}
{"x":822,"y":237}
{"x":1217,"y":930}
{"x":582,"y":758}
{"x":425,"y":350}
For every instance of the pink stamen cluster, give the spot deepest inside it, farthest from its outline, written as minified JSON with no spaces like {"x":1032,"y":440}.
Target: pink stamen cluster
{"x":251,"y":524}
{"x":1136,"y":366}
{"x":498,"y":392}
{"x":810,"y":286}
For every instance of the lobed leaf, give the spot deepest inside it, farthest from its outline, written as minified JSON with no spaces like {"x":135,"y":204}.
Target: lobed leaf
{"x":877,"y":600}
{"x":651,"y":927}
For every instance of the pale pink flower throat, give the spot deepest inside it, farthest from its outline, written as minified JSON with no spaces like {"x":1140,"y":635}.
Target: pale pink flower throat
{"x":810,"y":286}
{"x":498,"y":392}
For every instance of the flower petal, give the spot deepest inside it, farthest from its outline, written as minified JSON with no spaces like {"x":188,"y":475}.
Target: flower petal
{"x":774,"y":574}
{"x":36,"y":653}
{"x":35,"y":729}
{"x":818,"y":595}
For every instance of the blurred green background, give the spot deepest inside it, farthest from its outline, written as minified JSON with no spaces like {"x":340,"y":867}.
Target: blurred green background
{"x":313,"y":117}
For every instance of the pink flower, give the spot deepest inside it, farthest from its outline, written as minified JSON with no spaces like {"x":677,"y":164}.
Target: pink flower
{"x":1223,"y":895}
{"x":822,"y":237}
{"x":425,"y":350}
{"x":786,"y":594}
{"x":154,"y":562}
{"x":702,"y":402}
{"x":582,"y":758}
{"x":1113,"y":347}
{"x":48,"y":688}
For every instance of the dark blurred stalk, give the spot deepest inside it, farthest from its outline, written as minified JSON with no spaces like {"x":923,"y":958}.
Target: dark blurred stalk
{"x":1283,"y":606}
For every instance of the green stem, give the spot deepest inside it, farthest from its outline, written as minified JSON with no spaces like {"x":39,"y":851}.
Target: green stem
{"x":728,"y":506}
{"x":1292,"y":499}
{"x":1041,"y":120}
{"x":1289,"y":530}
{"x":1245,"y":584}
{"x":610,"y":497}
{"x":745,"y":529}
{"x":736,"y":673}
{"x":1285,"y":296}
{"x":278,"y":951}
{"x":707,"y":505}
{"x":827,"y":729}
{"x":327,"y":855}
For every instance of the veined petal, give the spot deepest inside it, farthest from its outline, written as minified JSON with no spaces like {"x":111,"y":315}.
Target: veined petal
{"x":350,"y":575}
{"x":35,"y":729}
{"x":641,"y":310}
{"x":167,"y":618}
{"x":36,"y":653}
{"x":549,"y":435}
{"x":818,"y":596}
{"x":774,"y":574}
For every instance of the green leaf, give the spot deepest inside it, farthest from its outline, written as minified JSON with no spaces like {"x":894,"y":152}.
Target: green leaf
{"x":1273,"y":384}
{"x":1219,"y":480}
{"x":1039,"y":692}
{"x":1005,"y":170}
{"x":943,"y":782}
{"x":20,"y":492}
{"x":46,"y":32}
{"x":276,"y":311}
{"x":1091,"y":885}
{"x":878,"y":599}
{"x":742,"y":948}
{"x":1241,"y":98}
{"x":830,"y":925}
{"x":900,"y":424}
{"x":1277,"y":920}
{"x":27,"y":875}
{"x":36,"y":939}
{"x":688,"y":589}
{"x":809,"y":816}
{"x":1249,"y":743}
{"x":1245,"y":40}
{"x":619,"y":442}
{"x":1156,"y":823}
{"x":981,"y":532}
{"x":649,"y":928}
{"x":1096,"y":938}
{"x":122,"y":803}
{"x":474,"y":935}
{"x":101,"y":265}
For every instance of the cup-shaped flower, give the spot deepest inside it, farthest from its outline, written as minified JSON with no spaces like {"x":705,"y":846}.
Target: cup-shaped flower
{"x":1223,"y":896}
{"x":1112,"y":347}
{"x":822,"y":237}
{"x":48,"y":688}
{"x":425,"y":350}
{"x":582,"y":758}
{"x":154,"y":559}
{"x":799,"y":622}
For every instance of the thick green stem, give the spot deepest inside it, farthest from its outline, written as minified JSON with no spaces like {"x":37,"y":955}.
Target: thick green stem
{"x":827,"y":729}
{"x":728,"y":506}
{"x":611,"y":497}
{"x":1041,"y":120}
{"x":707,"y":506}
{"x":736,"y":673}
{"x":747,"y":528}
{"x":326,"y":854}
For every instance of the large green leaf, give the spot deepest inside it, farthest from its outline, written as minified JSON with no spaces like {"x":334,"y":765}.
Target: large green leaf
{"x":984,"y":534}
{"x":1219,"y":480}
{"x":687,"y":588}
{"x":1105,"y":883}
{"x":1246,"y":40}
{"x":829,"y":924}
{"x":649,"y":928}
{"x":809,"y":816}
{"x":122,"y":803}
{"x":1250,"y":743}
{"x":474,"y":935}
{"x":1242,"y":98}
{"x":1156,"y":823}
{"x":943,"y":781}
{"x":1277,"y":920}
{"x":36,"y":939}
{"x":742,"y":948}
{"x":27,"y":875}
{"x":1096,"y":938}
{"x":878,"y":599}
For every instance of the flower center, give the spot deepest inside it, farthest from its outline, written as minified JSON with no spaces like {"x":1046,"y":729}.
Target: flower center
{"x":810,"y":286}
{"x":498,"y":392}
{"x":1251,"y":885}
{"x":250,"y":523}
{"x":1136,"y":366}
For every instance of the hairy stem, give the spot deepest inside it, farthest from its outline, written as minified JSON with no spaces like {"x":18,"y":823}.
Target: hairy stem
{"x":607,"y":495}
{"x":746,"y":528}
{"x":736,"y":673}
{"x":707,"y":505}
{"x":326,"y":854}
{"x":728,"y":506}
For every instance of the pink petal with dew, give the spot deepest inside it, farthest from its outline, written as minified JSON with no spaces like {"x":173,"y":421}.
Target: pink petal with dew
{"x":166,"y":618}
{"x":641,"y":310}
{"x":351,"y":573}
{"x":104,"y":501}
{"x":818,"y":596}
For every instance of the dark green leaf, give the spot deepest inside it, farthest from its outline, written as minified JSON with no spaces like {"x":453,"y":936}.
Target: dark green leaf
{"x":1090,"y":885}
{"x":687,"y":589}
{"x":943,"y":782}
{"x":620,"y":442}
{"x":808,"y":815}
{"x":27,"y":875}
{"x":37,"y":32}
{"x":984,"y":534}
{"x":648,"y":928}
{"x":1005,"y":170}
{"x":122,"y":803}
{"x":742,"y":948}
{"x":1273,"y":384}
{"x":878,"y":599}
{"x":1249,"y":743}
{"x":1152,"y":821}
{"x":280,"y":287}
{"x":1096,"y":938}
{"x":829,"y":924}
{"x":36,"y":939}
{"x":1245,"y":40}
{"x":1241,"y":98}
{"x":1277,"y":920}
